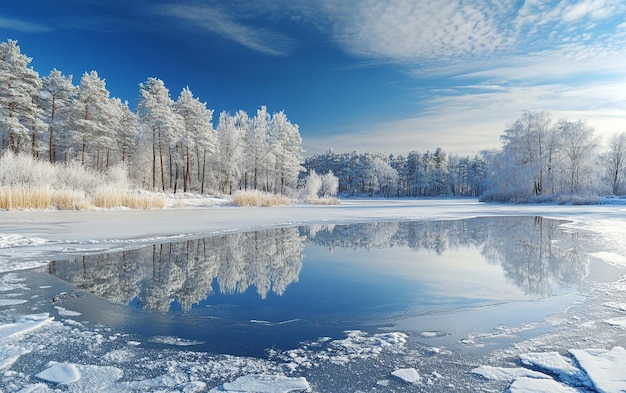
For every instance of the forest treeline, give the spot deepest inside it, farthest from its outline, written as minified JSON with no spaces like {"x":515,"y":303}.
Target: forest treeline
{"x":540,"y":160}
{"x":165,"y":144}
{"x":171,"y":145}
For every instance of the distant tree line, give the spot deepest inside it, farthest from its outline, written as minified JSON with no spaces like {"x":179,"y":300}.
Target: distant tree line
{"x":540,"y":160}
{"x":430,"y":174}
{"x":165,"y":144}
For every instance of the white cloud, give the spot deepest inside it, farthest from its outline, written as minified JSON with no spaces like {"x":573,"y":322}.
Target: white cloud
{"x":215,"y":20}
{"x":421,"y":31}
{"x":19,"y":25}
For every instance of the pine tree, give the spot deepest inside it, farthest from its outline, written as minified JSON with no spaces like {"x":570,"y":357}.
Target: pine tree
{"x":56,"y":99}
{"x":20,"y":117}
{"x":198,"y":136}
{"x":156,"y":110}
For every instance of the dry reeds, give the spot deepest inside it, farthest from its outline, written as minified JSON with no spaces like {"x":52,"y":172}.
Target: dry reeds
{"x":41,"y":198}
{"x":322,"y":201}
{"x":108,"y":198}
{"x":259,"y":199}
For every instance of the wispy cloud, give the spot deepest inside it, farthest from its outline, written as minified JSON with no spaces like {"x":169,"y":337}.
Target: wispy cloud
{"x":217,"y":21}
{"x":19,"y":25}
{"x":567,"y":57}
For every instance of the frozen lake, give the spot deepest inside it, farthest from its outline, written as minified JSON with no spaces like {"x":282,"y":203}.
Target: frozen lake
{"x":245,"y":293}
{"x":454,"y":304}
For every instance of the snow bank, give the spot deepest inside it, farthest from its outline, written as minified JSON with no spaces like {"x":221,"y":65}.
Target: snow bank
{"x":259,"y":383}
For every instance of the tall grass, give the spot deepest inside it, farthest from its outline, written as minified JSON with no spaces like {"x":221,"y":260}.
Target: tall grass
{"x":27,"y":183}
{"x":259,"y":199}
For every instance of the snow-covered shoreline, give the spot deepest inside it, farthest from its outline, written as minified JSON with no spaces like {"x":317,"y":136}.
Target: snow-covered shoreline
{"x":30,"y":238}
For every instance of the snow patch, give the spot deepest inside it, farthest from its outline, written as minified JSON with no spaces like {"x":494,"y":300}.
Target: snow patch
{"x":260,"y":383}
{"x":409,"y":375}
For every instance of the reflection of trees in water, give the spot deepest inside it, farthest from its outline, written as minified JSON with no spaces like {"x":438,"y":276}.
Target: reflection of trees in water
{"x":526,"y":247}
{"x":271,"y":259}
{"x":184,"y":272}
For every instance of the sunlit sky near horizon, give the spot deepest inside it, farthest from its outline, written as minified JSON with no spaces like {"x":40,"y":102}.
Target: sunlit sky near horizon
{"x":389,"y":76}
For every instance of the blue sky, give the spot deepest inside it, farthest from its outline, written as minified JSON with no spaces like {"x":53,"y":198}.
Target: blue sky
{"x":364,"y":75}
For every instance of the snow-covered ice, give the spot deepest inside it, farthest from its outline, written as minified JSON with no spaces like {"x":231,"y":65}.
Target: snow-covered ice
{"x":606,"y":368}
{"x":265,"y":384}
{"x":532,"y":385}
{"x":60,"y":373}
{"x":105,"y":356}
{"x":409,"y":375}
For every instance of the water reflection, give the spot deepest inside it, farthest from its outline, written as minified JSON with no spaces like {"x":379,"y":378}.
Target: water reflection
{"x":534,"y":253}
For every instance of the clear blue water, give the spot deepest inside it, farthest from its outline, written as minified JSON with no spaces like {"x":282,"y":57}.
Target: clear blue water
{"x":245,"y":293}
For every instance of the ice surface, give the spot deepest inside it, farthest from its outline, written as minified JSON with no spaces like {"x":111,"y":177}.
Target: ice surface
{"x":24,"y":325}
{"x":260,"y":383}
{"x":552,"y":362}
{"x":13,"y":240}
{"x":177,"y":341}
{"x":67,"y":313}
{"x":533,"y":385}
{"x":9,"y":355}
{"x":618,"y":322}
{"x":610,"y":257}
{"x":606,"y":368}
{"x":11,"y":302}
{"x":409,"y":375}
{"x":60,"y":373}
{"x":175,"y":373}
{"x":507,"y":373}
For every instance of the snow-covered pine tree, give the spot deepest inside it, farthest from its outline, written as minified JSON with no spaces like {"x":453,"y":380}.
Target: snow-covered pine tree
{"x":95,"y":121}
{"x":287,"y":150}
{"x":20,"y":117}
{"x":230,"y":150}
{"x":198,"y":138}
{"x":156,"y":110}
{"x":56,"y":99}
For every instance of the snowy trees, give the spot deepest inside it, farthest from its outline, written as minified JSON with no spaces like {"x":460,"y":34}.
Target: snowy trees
{"x":198,"y":137}
{"x":20,"y":117}
{"x":615,"y":161}
{"x":541,"y":160}
{"x":156,"y":110}
{"x":56,"y":99}
{"x":416,"y":175}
